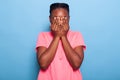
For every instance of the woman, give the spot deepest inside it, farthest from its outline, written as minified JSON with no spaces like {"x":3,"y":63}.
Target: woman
{"x":60,"y":52}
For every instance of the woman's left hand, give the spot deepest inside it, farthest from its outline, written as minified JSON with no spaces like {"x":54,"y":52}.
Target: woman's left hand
{"x":64,"y":28}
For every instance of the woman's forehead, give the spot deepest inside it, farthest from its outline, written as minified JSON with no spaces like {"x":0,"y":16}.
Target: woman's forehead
{"x":60,"y":12}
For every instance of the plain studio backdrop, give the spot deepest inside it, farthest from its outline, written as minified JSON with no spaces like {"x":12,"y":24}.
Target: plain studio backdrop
{"x":22,"y":20}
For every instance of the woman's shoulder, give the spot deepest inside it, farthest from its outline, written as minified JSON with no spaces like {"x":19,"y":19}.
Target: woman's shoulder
{"x":41,"y":34}
{"x":44,"y":33}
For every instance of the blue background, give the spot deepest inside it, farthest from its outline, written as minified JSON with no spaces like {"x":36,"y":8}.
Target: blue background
{"x":22,"y":20}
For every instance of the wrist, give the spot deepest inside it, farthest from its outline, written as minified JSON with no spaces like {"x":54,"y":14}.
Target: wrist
{"x":64,"y":37}
{"x":56,"y":37}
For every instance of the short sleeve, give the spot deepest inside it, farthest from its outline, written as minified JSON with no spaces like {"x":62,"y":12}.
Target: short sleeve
{"x":41,"y":41}
{"x":79,"y":41}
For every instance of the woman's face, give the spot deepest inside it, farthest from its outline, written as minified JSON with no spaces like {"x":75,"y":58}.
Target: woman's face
{"x":59,"y":15}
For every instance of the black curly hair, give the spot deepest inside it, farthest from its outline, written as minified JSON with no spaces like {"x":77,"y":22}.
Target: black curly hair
{"x":59,"y":5}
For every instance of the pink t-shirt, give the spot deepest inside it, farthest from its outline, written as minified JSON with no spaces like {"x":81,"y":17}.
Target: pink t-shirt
{"x":60,"y":69}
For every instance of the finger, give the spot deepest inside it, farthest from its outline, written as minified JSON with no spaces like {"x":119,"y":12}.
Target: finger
{"x":66,"y":27}
{"x":54,"y":21}
{"x":64,"y":22}
{"x":52,"y":27}
{"x":56,"y":26}
{"x":63,"y":25}
{"x":62,"y":29}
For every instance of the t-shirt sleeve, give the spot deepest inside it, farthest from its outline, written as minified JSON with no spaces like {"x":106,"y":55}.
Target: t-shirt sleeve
{"x":41,"y":41}
{"x":79,"y":41}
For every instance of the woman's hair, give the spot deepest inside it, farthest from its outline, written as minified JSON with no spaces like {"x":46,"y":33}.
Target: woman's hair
{"x":59,"y":5}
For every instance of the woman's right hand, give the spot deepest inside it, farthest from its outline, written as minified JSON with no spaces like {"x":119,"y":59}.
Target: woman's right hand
{"x":55,"y":29}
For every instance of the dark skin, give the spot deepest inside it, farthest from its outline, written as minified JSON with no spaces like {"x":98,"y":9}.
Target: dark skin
{"x":59,"y":26}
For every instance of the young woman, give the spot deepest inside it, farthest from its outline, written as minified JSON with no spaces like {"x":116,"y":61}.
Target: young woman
{"x":60,"y":52}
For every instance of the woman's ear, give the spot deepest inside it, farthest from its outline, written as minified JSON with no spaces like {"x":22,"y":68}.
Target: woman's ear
{"x":50,"y":19}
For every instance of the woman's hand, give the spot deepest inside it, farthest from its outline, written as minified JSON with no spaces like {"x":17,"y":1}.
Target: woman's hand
{"x":59,"y":29}
{"x":55,"y":29}
{"x":65,"y":28}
